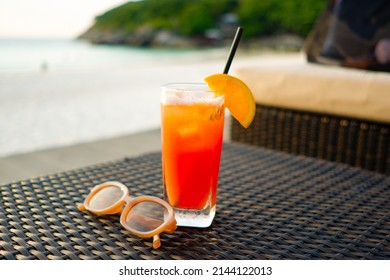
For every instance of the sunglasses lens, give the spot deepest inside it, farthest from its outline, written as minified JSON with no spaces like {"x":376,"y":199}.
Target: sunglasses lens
{"x":146,"y":216}
{"x":105,"y":198}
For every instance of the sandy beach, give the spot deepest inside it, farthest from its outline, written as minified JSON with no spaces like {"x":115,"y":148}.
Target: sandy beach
{"x":49,"y":109}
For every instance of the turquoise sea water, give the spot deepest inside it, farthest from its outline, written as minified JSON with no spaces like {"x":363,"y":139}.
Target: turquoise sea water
{"x":34,"y":55}
{"x":60,"y":92}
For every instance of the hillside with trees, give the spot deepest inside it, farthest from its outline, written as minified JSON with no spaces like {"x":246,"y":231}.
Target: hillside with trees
{"x":201,"y":22}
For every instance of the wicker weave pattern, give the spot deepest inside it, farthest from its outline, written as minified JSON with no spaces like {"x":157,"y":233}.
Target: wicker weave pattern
{"x":355,"y":142}
{"x":271,"y":205}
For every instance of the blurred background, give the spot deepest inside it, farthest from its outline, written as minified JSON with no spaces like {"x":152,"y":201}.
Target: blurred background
{"x":74,"y":72}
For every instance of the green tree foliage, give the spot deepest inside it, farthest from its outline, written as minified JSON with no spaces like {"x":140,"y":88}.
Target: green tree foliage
{"x":264,"y":17}
{"x":189,"y":17}
{"x":194,"y":19}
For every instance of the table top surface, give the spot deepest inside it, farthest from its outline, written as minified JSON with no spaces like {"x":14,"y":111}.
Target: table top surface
{"x":271,"y":205}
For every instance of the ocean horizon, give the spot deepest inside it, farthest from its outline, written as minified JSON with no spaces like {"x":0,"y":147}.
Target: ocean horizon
{"x":30,"y":55}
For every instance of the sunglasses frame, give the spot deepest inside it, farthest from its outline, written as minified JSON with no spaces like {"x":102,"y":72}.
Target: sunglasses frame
{"x":168,"y":225}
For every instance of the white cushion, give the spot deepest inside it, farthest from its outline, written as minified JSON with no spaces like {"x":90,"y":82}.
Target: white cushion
{"x":288,"y":81}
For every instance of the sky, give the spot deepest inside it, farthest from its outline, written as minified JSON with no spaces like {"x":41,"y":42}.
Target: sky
{"x":50,"y":18}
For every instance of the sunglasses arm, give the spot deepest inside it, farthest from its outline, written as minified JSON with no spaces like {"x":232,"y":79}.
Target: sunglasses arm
{"x":156,"y":241}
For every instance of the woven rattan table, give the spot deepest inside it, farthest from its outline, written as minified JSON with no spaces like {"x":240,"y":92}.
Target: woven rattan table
{"x":271,"y":205}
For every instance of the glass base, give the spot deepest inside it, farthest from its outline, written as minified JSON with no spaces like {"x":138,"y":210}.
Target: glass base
{"x":195,"y":218}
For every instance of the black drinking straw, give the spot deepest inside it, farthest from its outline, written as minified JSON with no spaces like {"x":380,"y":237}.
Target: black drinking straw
{"x":233,"y":49}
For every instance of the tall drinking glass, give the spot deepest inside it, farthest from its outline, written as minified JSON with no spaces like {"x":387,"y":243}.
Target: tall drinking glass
{"x":192,"y":120}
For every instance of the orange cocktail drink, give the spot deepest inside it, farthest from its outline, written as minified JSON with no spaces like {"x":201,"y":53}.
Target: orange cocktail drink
{"x":192,"y":131}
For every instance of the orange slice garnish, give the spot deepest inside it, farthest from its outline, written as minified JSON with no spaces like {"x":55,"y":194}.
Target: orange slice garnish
{"x":238,"y":97}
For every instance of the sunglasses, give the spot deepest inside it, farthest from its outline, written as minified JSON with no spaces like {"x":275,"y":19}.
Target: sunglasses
{"x":144,"y":216}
